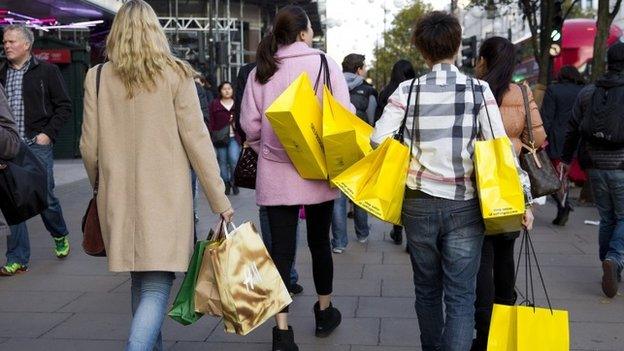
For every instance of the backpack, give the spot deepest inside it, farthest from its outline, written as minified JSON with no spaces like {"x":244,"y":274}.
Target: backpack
{"x":603,"y":120}
{"x":360,"y":97}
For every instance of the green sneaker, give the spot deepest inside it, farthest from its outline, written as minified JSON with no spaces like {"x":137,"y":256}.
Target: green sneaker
{"x":61,"y":248}
{"x":12,"y":269}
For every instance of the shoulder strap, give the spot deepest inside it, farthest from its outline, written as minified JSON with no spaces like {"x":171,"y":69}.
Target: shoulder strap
{"x":97,"y":79}
{"x":487,"y":112}
{"x":97,"y":93}
{"x":527,"y":113}
{"x":324,"y":68}
{"x":401,"y":133}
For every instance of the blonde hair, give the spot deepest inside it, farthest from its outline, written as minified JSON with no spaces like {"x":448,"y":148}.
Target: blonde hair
{"x":138,"y":49}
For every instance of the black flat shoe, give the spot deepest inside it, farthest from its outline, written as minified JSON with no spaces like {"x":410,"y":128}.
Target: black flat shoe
{"x":397,"y":235}
{"x":326,"y":320}
{"x":284,"y":340}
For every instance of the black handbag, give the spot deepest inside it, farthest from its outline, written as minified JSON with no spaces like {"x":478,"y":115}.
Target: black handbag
{"x":23,"y":186}
{"x":542,"y":173}
{"x":221,"y":137}
{"x":246,"y":169}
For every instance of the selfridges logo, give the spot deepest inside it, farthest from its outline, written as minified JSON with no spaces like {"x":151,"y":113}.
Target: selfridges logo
{"x":252,"y":276}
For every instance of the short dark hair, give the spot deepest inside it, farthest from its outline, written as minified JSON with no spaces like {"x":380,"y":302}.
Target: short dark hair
{"x":437,"y":36}
{"x":353,"y":62}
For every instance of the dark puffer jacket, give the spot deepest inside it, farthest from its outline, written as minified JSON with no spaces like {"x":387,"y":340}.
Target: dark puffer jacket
{"x":592,"y":155}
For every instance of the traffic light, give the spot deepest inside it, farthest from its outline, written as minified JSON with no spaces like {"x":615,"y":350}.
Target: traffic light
{"x":469,"y":51}
{"x":556,"y":35}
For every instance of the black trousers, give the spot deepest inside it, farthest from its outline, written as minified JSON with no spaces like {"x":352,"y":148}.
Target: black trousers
{"x":283,"y":222}
{"x":495,"y":283}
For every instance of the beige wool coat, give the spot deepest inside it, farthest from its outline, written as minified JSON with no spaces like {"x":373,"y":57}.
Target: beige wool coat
{"x":142,"y":149}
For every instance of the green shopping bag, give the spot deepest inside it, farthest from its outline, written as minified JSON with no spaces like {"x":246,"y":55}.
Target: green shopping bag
{"x":183,"y":309}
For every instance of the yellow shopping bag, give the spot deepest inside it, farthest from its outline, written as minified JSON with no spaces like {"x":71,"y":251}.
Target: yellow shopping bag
{"x":540,"y":329}
{"x":376,"y":183}
{"x":346,"y":138}
{"x":520,"y":328}
{"x":296,"y":118}
{"x":498,"y":184}
{"x":503,"y":329}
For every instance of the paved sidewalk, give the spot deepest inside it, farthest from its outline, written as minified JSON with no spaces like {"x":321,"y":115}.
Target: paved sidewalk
{"x":76,"y":304}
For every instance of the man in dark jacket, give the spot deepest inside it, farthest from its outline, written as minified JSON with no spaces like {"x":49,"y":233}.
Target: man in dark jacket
{"x":604,"y":159}
{"x":40,"y":106}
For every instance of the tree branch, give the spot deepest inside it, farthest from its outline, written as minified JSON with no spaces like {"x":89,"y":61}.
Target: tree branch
{"x":616,"y":9}
{"x":571,"y":7}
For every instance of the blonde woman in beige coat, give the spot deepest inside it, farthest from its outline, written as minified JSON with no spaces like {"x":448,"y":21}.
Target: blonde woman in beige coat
{"x":141,"y":134}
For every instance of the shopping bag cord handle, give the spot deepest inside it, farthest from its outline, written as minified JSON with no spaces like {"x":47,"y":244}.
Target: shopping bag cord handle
{"x":474,"y":101}
{"x":526,"y":244}
{"x":401,"y":132}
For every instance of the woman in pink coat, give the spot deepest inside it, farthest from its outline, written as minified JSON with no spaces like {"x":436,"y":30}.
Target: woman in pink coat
{"x":282,"y":56}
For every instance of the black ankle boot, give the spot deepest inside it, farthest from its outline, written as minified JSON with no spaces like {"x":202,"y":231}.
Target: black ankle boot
{"x":326,"y":320}
{"x":227,"y":188}
{"x":284,"y":340}
{"x":397,"y":235}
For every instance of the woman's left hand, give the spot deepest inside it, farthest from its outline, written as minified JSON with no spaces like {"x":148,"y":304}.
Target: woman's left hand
{"x":527,"y":219}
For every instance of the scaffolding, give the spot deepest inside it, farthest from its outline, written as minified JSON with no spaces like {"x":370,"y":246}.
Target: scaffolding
{"x":215,"y":42}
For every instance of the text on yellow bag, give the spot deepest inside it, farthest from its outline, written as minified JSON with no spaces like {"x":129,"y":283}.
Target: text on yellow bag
{"x":498,"y":184}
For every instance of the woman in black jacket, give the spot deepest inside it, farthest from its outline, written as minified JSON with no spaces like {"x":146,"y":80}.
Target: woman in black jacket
{"x":556,"y":112}
{"x":401,"y":71}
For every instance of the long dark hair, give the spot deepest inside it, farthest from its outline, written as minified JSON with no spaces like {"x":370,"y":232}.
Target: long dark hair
{"x":500,"y":60}
{"x":289,"y":22}
{"x":401,"y":71}
{"x":569,"y":74}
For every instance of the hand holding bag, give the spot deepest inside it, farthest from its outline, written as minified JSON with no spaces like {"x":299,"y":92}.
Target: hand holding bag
{"x":537,"y":164}
{"x":92,"y":241}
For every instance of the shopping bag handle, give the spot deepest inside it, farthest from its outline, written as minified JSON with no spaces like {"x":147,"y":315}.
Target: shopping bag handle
{"x":526,"y":244}
{"x":327,"y":78}
{"x":401,"y":132}
{"x":225,"y":228}
{"x":474,"y":102}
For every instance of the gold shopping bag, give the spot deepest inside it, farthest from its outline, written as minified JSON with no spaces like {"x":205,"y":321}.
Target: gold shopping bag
{"x":346,"y":138}
{"x":376,"y":183}
{"x":207,"y":298}
{"x":249,"y":284}
{"x":498,"y":184}
{"x":296,"y":118}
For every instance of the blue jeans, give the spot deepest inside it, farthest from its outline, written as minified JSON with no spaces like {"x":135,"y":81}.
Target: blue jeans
{"x":608,"y":187}
{"x":339,"y":223}
{"x":444,"y":239}
{"x":18,"y":245}
{"x":228,"y":157}
{"x":150,"y":293}
{"x":266,"y":238}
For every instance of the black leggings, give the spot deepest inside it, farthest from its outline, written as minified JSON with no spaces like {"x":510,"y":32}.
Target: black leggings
{"x":283,"y":222}
{"x":495,"y":283}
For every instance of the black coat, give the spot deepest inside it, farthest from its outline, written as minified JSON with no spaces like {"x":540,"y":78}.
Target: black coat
{"x":556,"y":113}
{"x":46,"y":102}
{"x":592,"y":155}
{"x":239,"y":90}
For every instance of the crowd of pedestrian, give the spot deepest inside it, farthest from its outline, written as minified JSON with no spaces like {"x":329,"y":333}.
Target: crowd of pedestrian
{"x":153,"y":134}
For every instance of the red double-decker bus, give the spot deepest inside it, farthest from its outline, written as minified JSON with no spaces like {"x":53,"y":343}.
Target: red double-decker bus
{"x":577,"y":49}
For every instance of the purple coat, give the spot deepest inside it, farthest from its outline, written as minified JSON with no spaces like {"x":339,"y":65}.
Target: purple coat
{"x":278,"y":182}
